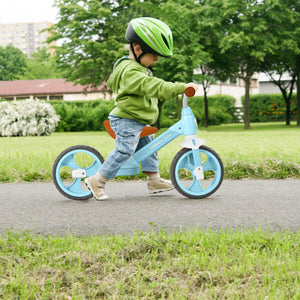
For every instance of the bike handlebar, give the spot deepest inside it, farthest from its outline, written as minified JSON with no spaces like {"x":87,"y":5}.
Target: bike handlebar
{"x":190,"y":91}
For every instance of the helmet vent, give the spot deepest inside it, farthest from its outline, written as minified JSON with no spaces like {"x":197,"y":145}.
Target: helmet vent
{"x":165,"y":41}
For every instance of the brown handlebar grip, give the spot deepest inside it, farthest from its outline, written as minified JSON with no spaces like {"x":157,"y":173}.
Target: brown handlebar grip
{"x":190,"y":91}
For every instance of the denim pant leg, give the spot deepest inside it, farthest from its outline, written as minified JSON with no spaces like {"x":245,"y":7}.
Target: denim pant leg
{"x":150,"y":164}
{"x":127,"y":138}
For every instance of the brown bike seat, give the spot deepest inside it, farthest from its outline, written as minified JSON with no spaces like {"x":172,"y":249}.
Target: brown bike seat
{"x":147,"y":130}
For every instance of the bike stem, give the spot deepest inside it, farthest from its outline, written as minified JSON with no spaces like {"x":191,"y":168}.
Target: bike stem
{"x":184,"y":101}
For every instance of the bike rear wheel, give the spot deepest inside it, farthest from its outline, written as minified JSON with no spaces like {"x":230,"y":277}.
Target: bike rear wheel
{"x":197,"y":173}
{"x":71,"y":167}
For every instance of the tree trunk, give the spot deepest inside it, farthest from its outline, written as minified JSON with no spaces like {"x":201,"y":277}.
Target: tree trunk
{"x":287,"y":107}
{"x":298,"y":100}
{"x":247,"y":103}
{"x":205,"y":109}
{"x":288,"y":112}
{"x":178,"y":105}
{"x":159,"y":104}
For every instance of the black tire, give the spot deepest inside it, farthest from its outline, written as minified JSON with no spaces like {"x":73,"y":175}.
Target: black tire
{"x":91,"y":160}
{"x":183,"y":162}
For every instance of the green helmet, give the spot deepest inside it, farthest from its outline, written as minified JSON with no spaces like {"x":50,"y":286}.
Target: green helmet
{"x":153,"y":35}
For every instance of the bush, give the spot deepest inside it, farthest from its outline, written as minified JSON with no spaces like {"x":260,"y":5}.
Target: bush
{"x":27,"y":117}
{"x":82,"y":115}
{"x":270,"y":107}
{"x":89,"y":115}
{"x":220,"y":110}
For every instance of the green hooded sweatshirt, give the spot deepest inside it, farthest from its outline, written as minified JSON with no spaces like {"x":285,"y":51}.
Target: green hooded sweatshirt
{"x":138,"y":92}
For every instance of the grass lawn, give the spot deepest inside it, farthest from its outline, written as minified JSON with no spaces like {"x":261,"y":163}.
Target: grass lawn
{"x":268,"y":150}
{"x":195,"y":264}
{"x":184,"y":265}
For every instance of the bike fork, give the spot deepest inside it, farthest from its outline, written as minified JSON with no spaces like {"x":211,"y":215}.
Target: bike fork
{"x":198,"y":171}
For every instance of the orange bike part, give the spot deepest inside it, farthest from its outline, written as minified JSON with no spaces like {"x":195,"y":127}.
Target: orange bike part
{"x":190,"y":91}
{"x":147,"y":130}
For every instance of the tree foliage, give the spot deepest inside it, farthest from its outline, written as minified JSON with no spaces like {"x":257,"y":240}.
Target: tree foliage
{"x":92,"y":35}
{"x":224,"y":38}
{"x":286,"y":58}
{"x":248,"y":36}
{"x":42,"y":65}
{"x":12,"y":63}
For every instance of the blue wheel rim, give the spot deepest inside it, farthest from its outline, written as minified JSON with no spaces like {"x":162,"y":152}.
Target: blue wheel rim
{"x":68,"y":160}
{"x":196,"y":188}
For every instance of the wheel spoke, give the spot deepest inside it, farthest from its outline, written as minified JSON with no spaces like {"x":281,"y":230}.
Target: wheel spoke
{"x":186,"y":164}
{"x":183,"y":163}
{"x":195,"y":187}
{"x":69,"y":161}
{"x":75,"y":186}
{"x":209,"y":165}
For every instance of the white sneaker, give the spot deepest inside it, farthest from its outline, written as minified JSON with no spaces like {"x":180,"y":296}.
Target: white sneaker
{"x":96,"y":187}
{"x":159,"y":185}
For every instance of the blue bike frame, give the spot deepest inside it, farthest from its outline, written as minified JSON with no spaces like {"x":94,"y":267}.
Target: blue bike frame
{"x":187,"y":126}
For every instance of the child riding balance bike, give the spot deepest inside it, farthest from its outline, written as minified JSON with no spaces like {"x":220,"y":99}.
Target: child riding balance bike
{"x":196,"y":170}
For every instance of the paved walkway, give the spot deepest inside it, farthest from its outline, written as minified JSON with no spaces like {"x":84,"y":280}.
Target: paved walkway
{"x":39,"y":207}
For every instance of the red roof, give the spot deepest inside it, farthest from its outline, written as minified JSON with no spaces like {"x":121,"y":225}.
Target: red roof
{"x":44,"y":87}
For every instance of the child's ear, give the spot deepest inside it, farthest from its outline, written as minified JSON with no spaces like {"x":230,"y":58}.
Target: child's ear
{"x":137,"y":49}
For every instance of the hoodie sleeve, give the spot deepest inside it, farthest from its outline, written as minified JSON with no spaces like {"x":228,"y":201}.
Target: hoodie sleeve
{"x":139,"y":83}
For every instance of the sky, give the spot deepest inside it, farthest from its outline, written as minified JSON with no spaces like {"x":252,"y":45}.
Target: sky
{"x":24,"y":11}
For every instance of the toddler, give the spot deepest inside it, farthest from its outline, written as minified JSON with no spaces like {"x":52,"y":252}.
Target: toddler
{"x":136,"y":102}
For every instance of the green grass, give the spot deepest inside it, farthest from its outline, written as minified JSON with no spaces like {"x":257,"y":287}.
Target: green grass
{"x":194,"y":264}
{"x":184,"y":265}
{"x":268,"y":150}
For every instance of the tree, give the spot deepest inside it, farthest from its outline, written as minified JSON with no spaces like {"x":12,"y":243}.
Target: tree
{"x":12,"y":63}
{"x":247,"y":37}
{"x":210,"y":29}
{"x":251,"y":37}
{"x":92,"y":38}
{"x":293,"y":7}
{"x":286,"y":58}
{"x":277,"y":77}
{"x":206,"y":79}
{"x":41,"y":66}
{"x":298,"y":88}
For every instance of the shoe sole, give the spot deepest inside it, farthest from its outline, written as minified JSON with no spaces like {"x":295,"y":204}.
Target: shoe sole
{"x":90,"y":189}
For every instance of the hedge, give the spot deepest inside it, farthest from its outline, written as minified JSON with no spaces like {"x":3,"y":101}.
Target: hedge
{"x":270,"y":107}
{"x":82,"y":115}
{"x":89,"y":115}
{"x":221,"y":110}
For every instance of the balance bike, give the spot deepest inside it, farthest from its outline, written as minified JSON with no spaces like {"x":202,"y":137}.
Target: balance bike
{"x":196,"y":170}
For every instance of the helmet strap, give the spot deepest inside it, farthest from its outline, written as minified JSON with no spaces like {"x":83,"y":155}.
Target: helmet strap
{"x":137,"y":58}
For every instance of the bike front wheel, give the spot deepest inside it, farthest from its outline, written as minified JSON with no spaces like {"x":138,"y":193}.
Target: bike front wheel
{"x":197,"y":173}
{"x":71,"y":167}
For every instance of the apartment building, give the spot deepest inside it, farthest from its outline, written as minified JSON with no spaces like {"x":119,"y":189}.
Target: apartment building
{"x":25,"y":36}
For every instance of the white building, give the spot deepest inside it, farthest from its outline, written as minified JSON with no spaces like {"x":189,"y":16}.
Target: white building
{"x":266,"y":86}
{"x":234,"y":88}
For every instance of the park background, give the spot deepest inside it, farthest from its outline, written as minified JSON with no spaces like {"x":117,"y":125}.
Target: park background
{"x":213,"y":40}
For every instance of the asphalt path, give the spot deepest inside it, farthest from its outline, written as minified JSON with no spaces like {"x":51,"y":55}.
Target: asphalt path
{"x":40,"y":208}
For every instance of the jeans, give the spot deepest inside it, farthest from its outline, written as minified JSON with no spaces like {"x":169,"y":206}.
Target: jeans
{"x":128,"y":141}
